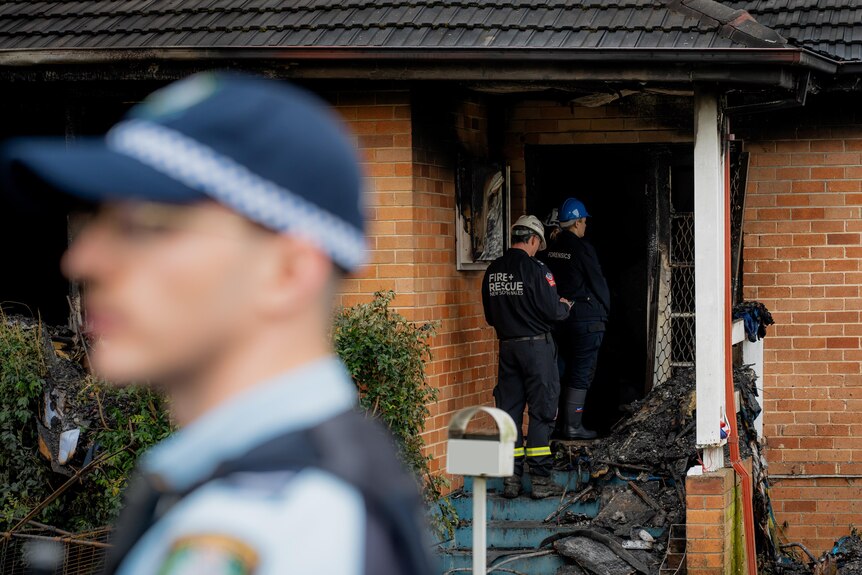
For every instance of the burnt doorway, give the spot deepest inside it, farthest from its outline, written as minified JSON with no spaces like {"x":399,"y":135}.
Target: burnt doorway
{"x":631,"y":191}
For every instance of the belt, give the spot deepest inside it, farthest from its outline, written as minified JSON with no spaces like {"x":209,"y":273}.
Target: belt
{"x":545,"y":336}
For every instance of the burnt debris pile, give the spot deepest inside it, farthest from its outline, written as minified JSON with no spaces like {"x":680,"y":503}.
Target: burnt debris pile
{"x":659,"y":435}
{"x":845,"y":558}
{"x":848,"y":554}
{"x":636,"y":476}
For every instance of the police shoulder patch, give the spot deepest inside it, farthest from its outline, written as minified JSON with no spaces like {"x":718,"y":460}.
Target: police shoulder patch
{"x":550,"y":279}
{"x":210,"y":554}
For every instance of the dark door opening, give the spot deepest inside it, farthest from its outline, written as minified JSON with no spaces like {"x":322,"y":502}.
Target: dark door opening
{"x":35,"y":231}
{"x":629,"y":190}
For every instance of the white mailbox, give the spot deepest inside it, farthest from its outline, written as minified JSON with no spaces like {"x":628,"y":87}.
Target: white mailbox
{"x":485,"y":453}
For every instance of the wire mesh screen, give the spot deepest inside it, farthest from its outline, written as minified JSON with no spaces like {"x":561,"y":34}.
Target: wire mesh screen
{"x":81,"y":554}
{"x":675,"y":329}
{"x":675,"y":319}
{"x":682,"y":289}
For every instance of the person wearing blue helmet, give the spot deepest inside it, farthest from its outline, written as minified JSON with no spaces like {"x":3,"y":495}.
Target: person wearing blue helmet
{"x":575,"y":265}
{"x":227,"y":208}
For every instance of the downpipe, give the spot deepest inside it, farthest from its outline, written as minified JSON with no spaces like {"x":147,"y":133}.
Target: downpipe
{"x":733,"y":436}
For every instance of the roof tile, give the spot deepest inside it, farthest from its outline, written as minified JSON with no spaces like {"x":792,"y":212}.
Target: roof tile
{"x":830,"y":27}
{"x":827,"y":26}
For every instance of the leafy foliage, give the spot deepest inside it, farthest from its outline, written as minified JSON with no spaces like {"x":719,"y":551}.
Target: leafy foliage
{"x":22,"y":473}
{"x":135,"y":418}
{"x":386,"y":355}
{"x":129,"y":420}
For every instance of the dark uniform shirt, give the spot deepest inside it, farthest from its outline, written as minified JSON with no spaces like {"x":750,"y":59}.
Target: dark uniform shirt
{"x":520,"y":297}
{"x":576,"y":268}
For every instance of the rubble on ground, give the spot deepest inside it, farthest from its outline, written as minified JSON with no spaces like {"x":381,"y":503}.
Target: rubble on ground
{"x":77,"y":437}
{"x":848,"y":554}
{"x":638,"y":475}
{"x":67,"y":410}
{"x":845,"y":558}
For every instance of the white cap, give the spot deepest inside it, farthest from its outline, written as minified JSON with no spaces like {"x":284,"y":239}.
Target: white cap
{"x":533,"y":224}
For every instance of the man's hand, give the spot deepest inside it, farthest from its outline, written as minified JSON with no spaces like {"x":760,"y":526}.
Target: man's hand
{"x":567,"y":302}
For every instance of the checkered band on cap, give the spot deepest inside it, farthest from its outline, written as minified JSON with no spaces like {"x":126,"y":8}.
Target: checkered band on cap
{"x":201,"y":168}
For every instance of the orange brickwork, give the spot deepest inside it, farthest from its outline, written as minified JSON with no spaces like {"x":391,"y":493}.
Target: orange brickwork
{"x":464,"y":365}
{"x":381,"y":124}
{"x":714,"y":532}
{"x":803,"y":259}
{"x":411,"y":210}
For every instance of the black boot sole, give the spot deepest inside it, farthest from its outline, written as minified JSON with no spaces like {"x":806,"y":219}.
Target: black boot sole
{"x":579,"y":437}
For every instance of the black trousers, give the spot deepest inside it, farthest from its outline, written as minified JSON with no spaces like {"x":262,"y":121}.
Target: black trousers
{"x":579,"y":344}
{"x":528,"y":376}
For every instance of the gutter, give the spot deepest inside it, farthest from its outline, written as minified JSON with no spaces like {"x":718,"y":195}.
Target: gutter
{"x":47,"y":56}
{"x":743,"y":66}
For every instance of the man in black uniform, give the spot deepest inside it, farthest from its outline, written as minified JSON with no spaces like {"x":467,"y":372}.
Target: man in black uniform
{"x":522,"y":304}
{"x":575,"y":265}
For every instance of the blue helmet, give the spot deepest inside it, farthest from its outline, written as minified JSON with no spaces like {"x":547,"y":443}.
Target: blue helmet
{"x":573,"y":209}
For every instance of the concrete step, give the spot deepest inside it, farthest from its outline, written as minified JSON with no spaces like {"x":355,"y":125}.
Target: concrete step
{"x":510,"y":534}
{"x":463,"y":559}
{"x":521,"y":508}
{"x":519,"y":534}
{"x":567,"y":479}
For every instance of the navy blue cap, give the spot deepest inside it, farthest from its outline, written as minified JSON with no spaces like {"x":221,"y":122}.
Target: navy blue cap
{"x":268,"y":150}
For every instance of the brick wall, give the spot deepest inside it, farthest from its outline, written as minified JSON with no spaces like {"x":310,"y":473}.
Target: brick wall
{"x":408,"y":144}
{"x":803,"y":259}
{"x":464,"y":364}
{"x":381,"y":124}
{"x":715,"y":536}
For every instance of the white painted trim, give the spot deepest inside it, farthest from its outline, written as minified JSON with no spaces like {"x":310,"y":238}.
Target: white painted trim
{"x":713,"y":458}
{"x":709,"y":261}
{"x":738,"y":335}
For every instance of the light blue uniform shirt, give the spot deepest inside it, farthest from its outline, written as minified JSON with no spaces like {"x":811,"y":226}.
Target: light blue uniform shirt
{"x":308,"y":522}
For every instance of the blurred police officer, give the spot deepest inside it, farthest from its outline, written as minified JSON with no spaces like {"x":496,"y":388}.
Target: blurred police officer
{"x":229,"y":208}
{"x":521,"y":303}
{"x":575,"y":265}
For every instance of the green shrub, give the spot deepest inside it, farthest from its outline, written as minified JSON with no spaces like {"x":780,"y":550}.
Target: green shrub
{"x":128,"y":421}
{"x":133,"y":419}
{"x":386,"y":355}
{"x":23,"y":474}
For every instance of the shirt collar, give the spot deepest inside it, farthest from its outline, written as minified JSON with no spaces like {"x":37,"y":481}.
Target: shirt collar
{"x":293,"y":401}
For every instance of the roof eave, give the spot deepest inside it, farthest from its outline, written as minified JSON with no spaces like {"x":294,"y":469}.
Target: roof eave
{"x":48,"y":56}
{"x":666,"y":64}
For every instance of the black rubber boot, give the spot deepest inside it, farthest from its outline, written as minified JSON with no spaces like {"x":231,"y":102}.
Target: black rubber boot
{"x":543,"y":487}
{"x":574,"y":416}
{"x":560,"y":422}
{"x":512,"y":486}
